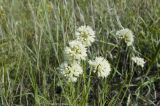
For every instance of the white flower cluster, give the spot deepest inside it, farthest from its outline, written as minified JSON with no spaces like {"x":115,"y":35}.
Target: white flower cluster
{"x":139,"y":61}
{"x":86,"y":35}
{"x":126,"y":35}
{"x":71,"y":71}
{"x":101,"y":66}
{"x":77,"y":51}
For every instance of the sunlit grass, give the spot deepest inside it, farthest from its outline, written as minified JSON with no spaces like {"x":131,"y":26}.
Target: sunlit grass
{"x":34,"y":33}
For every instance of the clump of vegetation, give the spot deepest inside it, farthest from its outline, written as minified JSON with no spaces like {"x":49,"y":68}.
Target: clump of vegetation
{"x":47,"y":59}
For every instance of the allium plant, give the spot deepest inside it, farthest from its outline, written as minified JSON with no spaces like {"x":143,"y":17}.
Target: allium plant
{"x":77,"y":51}
{"x":76,"y":61}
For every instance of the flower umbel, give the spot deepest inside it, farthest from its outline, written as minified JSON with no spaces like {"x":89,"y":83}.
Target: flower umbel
{"x":76,"y":50}
{"x":101,"y":66}
{"x":86,"y":35}
{"x":71,"y":71}
{"x":127,"y":35}
{"x":139,"y":61}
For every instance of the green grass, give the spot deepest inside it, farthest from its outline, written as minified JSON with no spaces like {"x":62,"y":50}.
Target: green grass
{"x":33,"y":34}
